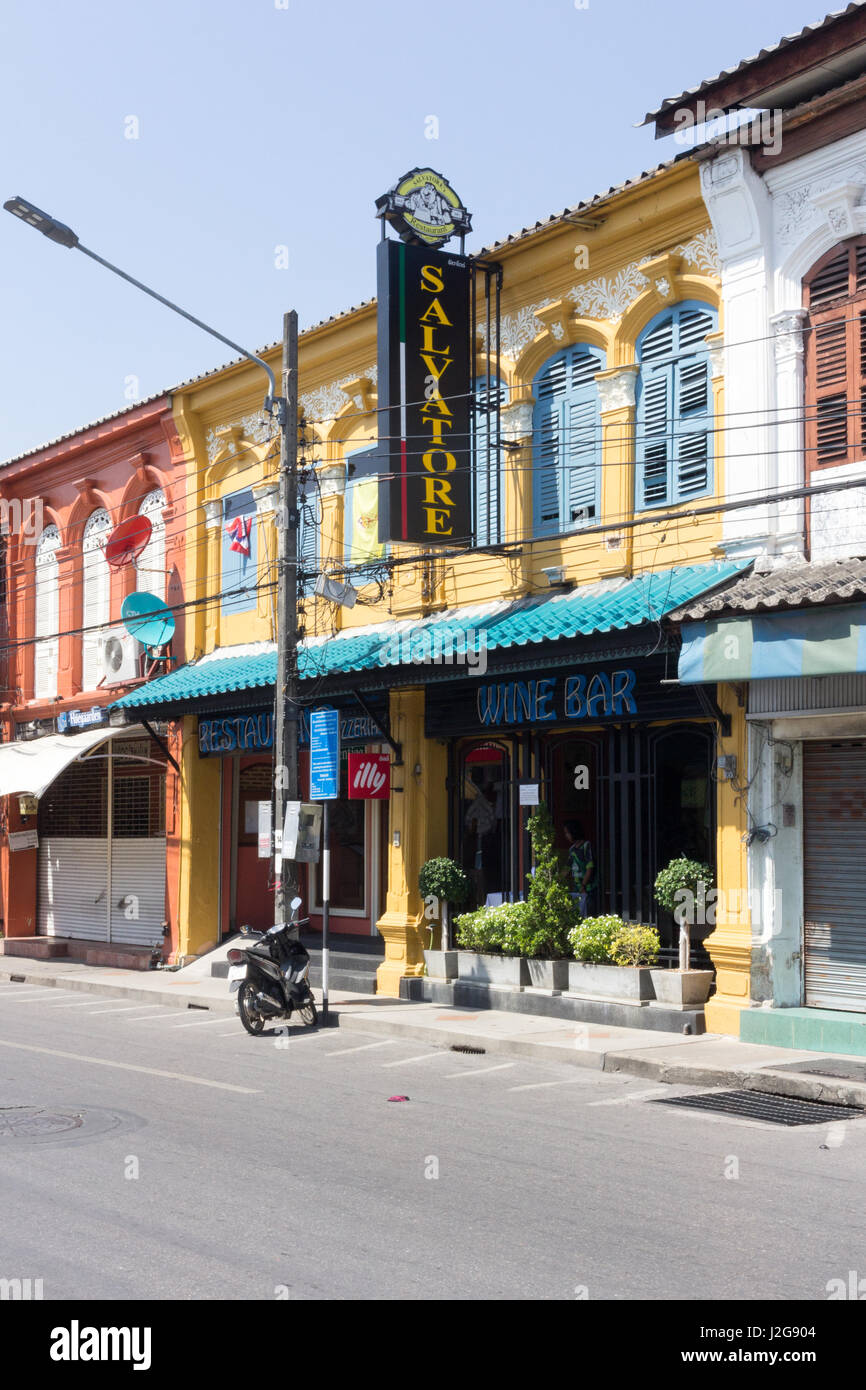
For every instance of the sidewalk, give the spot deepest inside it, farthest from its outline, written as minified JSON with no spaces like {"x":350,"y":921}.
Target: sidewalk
{"x":705,"y":1060}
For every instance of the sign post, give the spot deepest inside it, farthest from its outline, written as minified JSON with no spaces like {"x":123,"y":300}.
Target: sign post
{"x":325,"y":787}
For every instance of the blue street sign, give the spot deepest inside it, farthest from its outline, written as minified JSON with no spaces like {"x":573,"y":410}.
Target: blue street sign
{"x":324,"y":754}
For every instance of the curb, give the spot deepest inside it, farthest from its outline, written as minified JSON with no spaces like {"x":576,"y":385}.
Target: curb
{"x":123,"y":991}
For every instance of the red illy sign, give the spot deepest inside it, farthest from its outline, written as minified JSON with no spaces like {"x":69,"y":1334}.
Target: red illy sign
{"x":369,"y":776}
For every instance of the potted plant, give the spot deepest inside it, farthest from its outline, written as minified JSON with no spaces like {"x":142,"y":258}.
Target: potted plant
{"x":544,"y":938}
{"x":490,"y":938}
{"x":681,"y":888}
{"x":613,"y":960}
{"x":444,"y":881}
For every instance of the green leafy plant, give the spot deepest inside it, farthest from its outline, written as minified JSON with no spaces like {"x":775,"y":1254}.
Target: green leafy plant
{"x":552,"y":911}
{"x":635,"y":946}
{"x":493,"y":930}
{"x":592,"y":939}
{"x":681,"y":888}
{"x":444,"y":880}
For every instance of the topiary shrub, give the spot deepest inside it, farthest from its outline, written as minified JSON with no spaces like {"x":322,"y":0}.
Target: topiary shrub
{"x":494,"y":930}
{"x":681,"y":888}
{"x":592,"y":939}
{"x":635,"y":946}
{"x":445,"y":881}
{"x":551,"y":908}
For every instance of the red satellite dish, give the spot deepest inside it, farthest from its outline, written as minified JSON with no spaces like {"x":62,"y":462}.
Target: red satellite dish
{"x":127,"y":541}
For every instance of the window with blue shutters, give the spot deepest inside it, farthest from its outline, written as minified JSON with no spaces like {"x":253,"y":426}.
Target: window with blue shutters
{"x":488,"y":474}
{"x":674,"y":453}
{"x":239,"y":570}
{"x":566,"y":447}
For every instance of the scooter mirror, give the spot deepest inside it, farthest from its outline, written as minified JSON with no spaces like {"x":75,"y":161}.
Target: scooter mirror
{"x":296,"y":903}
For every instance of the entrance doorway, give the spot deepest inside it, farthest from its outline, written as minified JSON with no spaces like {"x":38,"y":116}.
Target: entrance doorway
{"x":484,"y":817}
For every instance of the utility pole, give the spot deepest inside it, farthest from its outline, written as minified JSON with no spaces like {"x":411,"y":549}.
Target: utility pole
{"x":286,"y":709}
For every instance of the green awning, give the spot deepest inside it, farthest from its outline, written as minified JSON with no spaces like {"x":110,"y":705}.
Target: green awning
{"x":609,"y":606}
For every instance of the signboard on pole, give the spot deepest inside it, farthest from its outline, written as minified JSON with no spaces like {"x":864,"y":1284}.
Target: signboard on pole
{"x":324,"y":754}
{"x":369,"y":776}
{"x":424,"y":389}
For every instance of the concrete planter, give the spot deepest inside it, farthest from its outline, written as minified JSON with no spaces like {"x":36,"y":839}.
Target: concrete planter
{"x":682,"y":989}
{"x":630,"y":983}
{"x":548,"y":974}
{"x":441,"y":965}
{"x":511,"y":971}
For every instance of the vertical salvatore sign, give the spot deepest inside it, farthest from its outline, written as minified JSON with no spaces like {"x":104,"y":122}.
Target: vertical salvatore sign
{"x":424,"y":386}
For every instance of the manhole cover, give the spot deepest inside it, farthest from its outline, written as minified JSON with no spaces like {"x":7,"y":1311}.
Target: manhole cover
{"x":38,"y":1124}
{"x":26,"y":1122}
{"x":759,"y":1105}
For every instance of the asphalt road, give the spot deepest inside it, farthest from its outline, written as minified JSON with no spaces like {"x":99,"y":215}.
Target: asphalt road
{"x":209,"y":1164}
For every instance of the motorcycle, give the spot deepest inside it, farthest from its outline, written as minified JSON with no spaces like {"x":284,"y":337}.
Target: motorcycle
{"x":271,"y":976}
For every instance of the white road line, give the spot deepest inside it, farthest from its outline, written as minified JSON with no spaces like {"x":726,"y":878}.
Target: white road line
{"x":481,"y":1071}
{"x":154,"y":1018}
{"x":200,"y":1022}
{"x":635,"y":1095}
{"x":25,"y":998}
{"x":344,"y":1051}
{"x":130,"y":1066}
{"x":120,"y":1009}
{"x":404,"y":1061}
{"x":73,"y":1004}
{"x":541,"y":1085}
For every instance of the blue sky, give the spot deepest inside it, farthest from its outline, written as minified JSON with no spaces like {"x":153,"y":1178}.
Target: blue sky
{"x":270,"y":123}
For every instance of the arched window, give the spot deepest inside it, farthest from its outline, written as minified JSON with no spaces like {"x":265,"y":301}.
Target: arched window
{"x":566,"y":433}
{"x":488,"y":475}
{"x":47,"y":615}
{"x":150,"y":565}
{"x":96,"y":597}
{"x":674,"y":407}
{"x":835,"y":295}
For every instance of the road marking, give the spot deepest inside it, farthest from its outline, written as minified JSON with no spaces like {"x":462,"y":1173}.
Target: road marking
{"x":480,"y":1071}
{"x":121,"y":1009}
{"x":29,"y":996}
{"x":153,"y":1018}
{"x":73,"y":1004}
{"x":635,"y":1095}
{"x":344,"y":1051}
{"x":130,"y":1066}
{"x":200,"y":1022}
{"x":422,"y":1057}
{"x":540,"y":1085}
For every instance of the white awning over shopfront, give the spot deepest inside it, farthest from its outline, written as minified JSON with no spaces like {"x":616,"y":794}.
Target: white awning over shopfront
{"x":31,"y":765}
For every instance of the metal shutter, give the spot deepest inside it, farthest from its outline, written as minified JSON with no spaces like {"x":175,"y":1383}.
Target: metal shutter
{"x":72,"y":884}
{"x":834,"y":874}
{"x":138,"y":891}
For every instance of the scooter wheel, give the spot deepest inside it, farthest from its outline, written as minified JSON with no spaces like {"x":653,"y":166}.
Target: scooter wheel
{"x":252,"y":1021}
{"x":308,"y":1014}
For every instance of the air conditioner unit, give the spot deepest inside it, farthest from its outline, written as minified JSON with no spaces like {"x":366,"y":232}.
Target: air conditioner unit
{"x":119,"y":657}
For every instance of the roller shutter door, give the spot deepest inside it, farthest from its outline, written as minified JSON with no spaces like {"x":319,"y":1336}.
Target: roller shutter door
{"x":834,"y":874}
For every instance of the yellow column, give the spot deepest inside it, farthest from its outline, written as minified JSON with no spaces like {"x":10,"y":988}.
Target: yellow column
{"x":730,"y":945}
{"x":418,"y":832}
{"x":198,"y":911}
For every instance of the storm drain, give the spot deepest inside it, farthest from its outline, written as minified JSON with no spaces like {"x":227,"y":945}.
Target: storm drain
{"x":759,"y":1105}
{"x":36,"y":1124}
{"x":472,"y":1051}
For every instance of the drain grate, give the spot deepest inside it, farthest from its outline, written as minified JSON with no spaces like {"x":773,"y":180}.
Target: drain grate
{"x":27,"y":1122}
{"x":760,"y":1105}
{"x":472,"y":1051}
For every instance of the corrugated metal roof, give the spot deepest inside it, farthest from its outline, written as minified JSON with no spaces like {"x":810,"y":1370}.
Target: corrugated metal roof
{"x":607,"y":606}
{"x":82,"y":429}
{"x":791,"y":586}
{"x":691,"y":93}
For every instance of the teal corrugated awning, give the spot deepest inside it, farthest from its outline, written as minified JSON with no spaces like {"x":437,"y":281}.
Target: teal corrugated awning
{"x":608,"y":606}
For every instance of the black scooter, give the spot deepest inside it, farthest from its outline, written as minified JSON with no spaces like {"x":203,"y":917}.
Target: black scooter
{"x":271,"y":976}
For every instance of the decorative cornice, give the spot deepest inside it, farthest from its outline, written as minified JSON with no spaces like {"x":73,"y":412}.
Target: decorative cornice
{"x":225,"y":440}
{"x":213,"y":512}
{"x":516,"y":421}
{"x":266,"y":496}
{"x":797,"y":211}
{"x":616,"y":388}
{"x":325,"y":403}
{"x":788,"y":333}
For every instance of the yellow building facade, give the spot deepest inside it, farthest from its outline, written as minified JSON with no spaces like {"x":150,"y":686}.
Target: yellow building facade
{"x":606,"y":294}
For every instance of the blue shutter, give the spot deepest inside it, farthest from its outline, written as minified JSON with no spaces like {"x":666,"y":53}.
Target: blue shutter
{"x":674,"y":418}
{"x":567,"y":442}
{"x":488,"y":492}
{"x":239,"y":572}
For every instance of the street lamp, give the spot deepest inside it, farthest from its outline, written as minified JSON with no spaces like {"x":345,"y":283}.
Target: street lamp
{"x":285,"y":408}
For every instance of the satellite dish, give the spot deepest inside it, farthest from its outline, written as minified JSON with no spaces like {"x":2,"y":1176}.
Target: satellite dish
{"x":147,"y":618}
{"x":127,"y":541}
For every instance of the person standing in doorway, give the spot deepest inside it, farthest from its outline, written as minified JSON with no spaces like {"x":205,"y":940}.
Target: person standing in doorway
{"x":581,"y":862}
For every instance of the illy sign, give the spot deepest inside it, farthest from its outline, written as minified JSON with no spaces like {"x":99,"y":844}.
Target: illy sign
{"x":369,"y":776}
